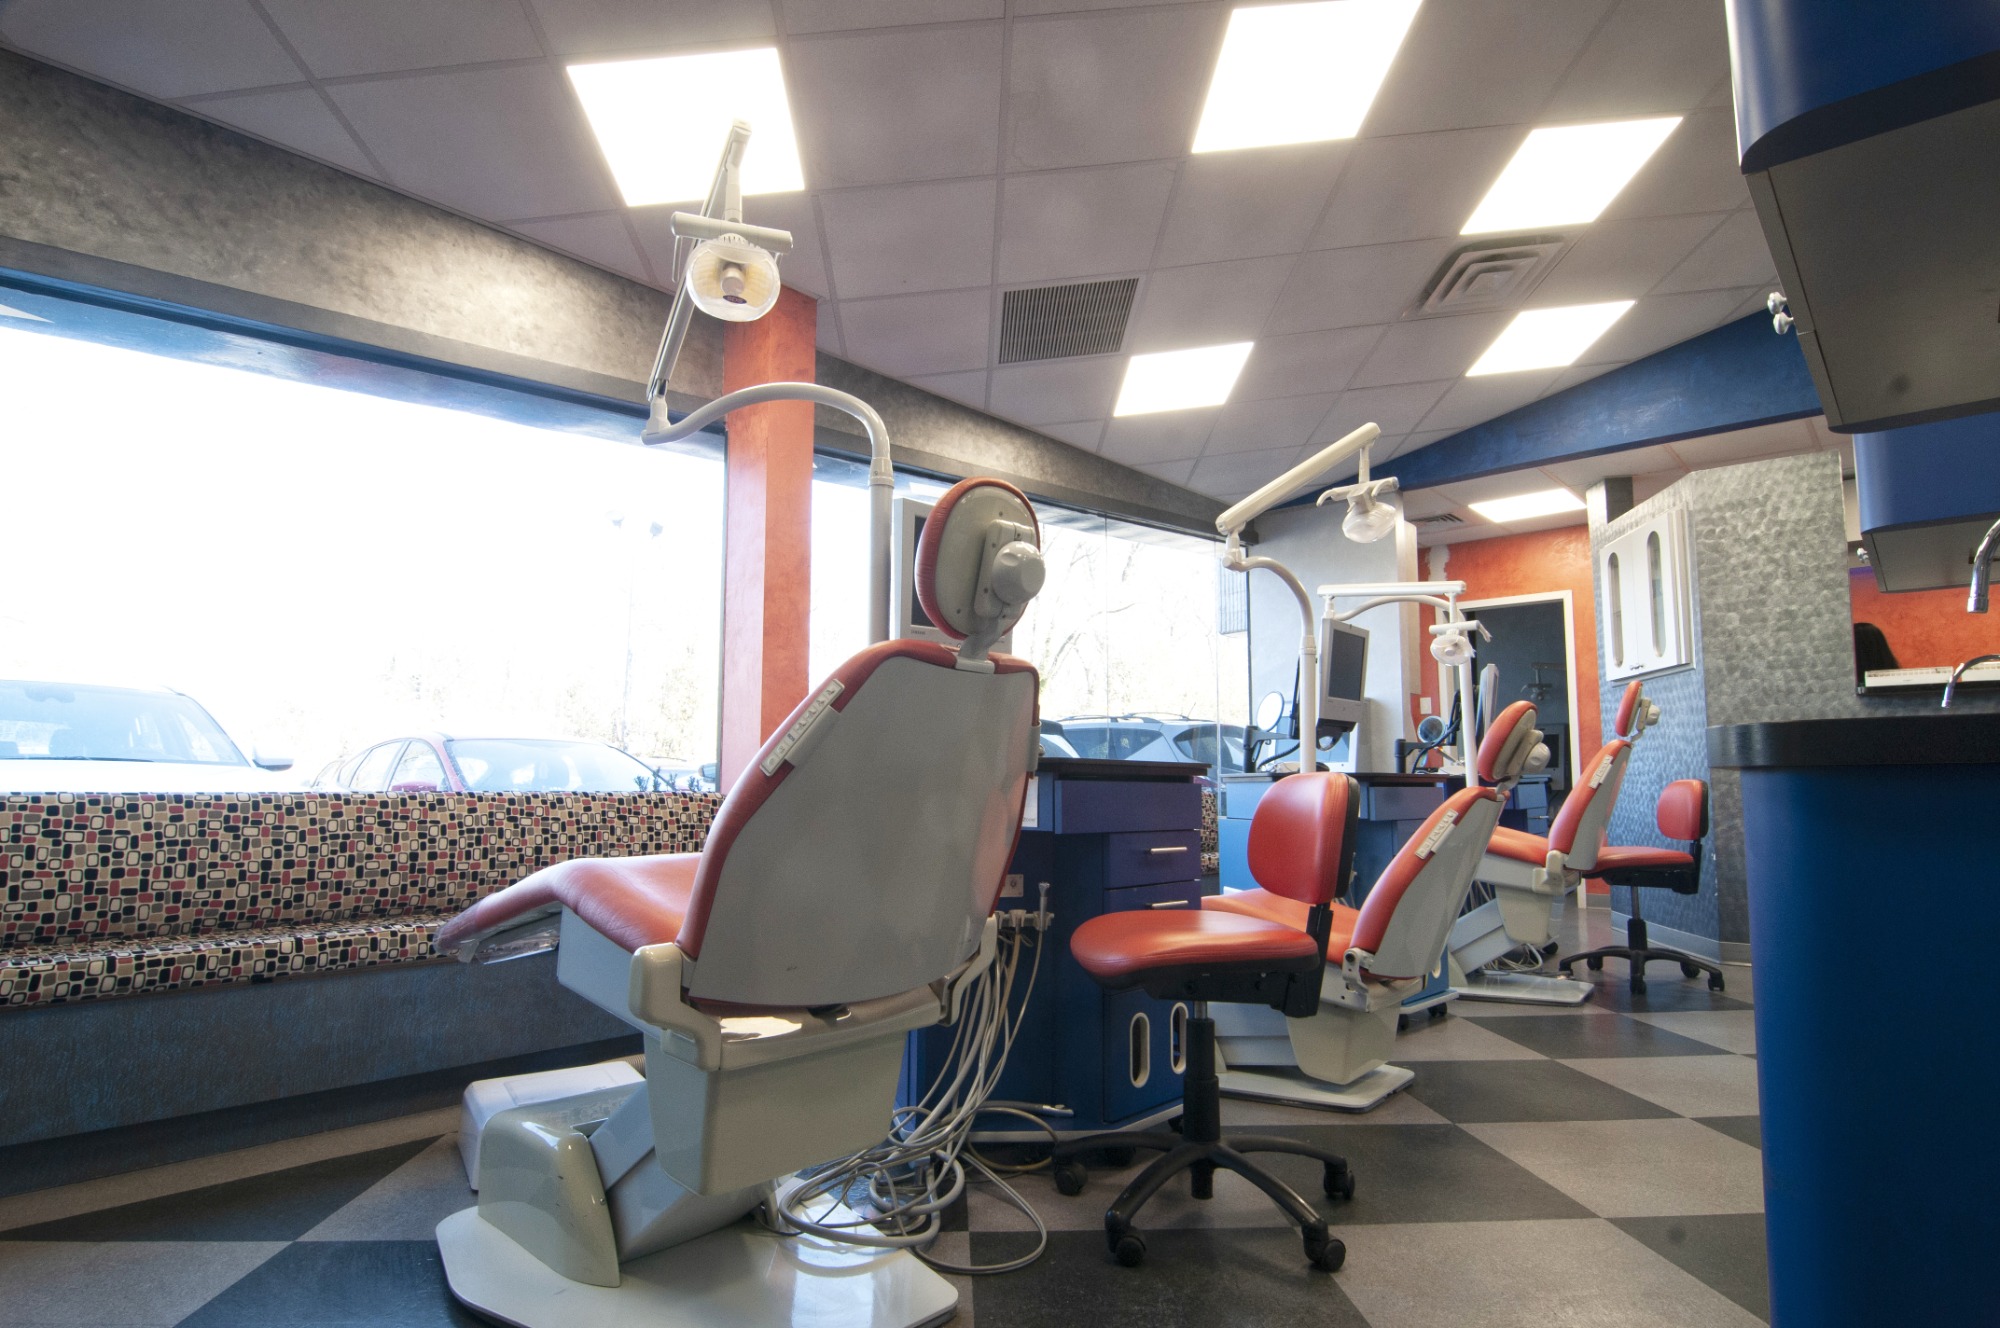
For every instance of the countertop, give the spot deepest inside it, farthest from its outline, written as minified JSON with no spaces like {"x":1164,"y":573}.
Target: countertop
{"x":1940,"y":739}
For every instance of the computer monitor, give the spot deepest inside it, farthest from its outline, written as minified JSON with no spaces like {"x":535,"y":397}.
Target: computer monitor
{"x":908,"y":619}
{"x":1343,"y":667}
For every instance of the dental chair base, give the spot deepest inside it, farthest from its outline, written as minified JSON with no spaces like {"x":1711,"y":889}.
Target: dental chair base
{"x":1527,"y":905}
{"x":1333,"y":1059}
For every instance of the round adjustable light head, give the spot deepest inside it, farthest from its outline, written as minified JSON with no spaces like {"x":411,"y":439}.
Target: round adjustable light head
{"x":731,"y":279}
{"x":1451,"y":649}
{"x":979,"y":562}
{"x":1371,"y":514}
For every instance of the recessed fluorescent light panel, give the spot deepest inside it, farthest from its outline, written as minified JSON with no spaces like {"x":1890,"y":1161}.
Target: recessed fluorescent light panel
{"x":1526,"y":506}
{"x":1548,"y":338}
{"x":9,"y":311}
{"x":1566,"y":176}
{"x":1300,"y":73}
{"x":1181,"y":379}
{"x":662,"y":122}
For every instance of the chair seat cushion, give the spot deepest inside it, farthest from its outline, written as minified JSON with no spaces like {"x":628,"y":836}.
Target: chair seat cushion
{"x":1518,"y":845}
{"x":1267,"y":907}
{"x":1125,"y":949}
{"x":634,"y":901}
{"x":1625,"y":859}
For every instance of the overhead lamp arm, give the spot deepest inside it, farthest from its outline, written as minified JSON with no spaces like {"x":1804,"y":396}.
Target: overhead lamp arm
{"x":725,"y":200}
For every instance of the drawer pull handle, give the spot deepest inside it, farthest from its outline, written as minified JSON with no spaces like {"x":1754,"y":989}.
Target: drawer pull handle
{"x":1169,"y":848}
{"x":1170,"y":903}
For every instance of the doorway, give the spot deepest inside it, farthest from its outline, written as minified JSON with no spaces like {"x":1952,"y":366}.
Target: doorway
{"x":1534,"y":647}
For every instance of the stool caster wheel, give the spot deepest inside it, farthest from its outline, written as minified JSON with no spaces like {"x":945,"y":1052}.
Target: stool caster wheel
{"x":1178,"y":1125}
{"x":1439,"y":1011}
{"x":1715,"y":982}
{"x":1069,"y":1178}
{"x":1594,"y":965}
{"x":1689,"y":970}
{"x":1338,"y":1182}
{"x":1324,"y":1252}
{"x":1119,"y":1158}
{"x":1549,"y":950}
{"x":1128,"y":1249}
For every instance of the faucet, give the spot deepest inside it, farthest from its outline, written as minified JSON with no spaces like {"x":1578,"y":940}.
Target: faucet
{"x":1952,"y":684}
{"x":1982,"y":568}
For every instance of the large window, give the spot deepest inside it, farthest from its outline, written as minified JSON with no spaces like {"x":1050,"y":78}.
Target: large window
{"x":323,"y":570}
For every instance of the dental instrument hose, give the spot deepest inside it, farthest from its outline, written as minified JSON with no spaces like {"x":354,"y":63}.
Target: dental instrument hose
{"x":919,"y":1171}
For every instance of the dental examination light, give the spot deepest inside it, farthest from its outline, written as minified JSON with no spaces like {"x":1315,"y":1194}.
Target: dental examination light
{"x":732,"y":274}
{"x":1371,"y":504}
{"x":1230,"y":525}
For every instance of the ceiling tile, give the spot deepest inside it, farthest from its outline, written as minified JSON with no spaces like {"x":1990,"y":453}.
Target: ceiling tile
{"x":1650,"y":56}
{"x":380,"y":36}
{"x":1695,"y":170}
{"x":1173,"y":472}
{"x":1428,"y":502}
{"x":1241,"y":471}
{"x":1473,"y":401}
{"x":1554,"y":521}
{"x":1758,"y":301}
{"x":1086,"y":434}
{"x":492,"y":142}
{"x":1304,"y":363}
{"x":1621,"y":260}
{"x":1580,"y":373}
{"x":161,"y":50}
{"x":296,"y":118}
{"x":966,"y":388}
{"x":1444,"y":76}
{"x":910,"y":237}
{"x":941,"y":332}
{"x":1660,"y":321}
{"x":1427,"y":349}
{"x":1063,"y":224}
{"x":1247,"y":204}
{"x":1581,"y":474}
{"x":1087,"y":89}
{"x":1415,"y":187}
{"x":1175,"y":435}
{"x":878,"y":107}
{"x":1354,"y":287}
{"x":1205,"y":305}
{"x":1056,"y":391}
{"x":1735,"y":255}
{"x":601,"y":239}
{"x":648,"y":27}
{"x":1415,"y":442}
{"x":802,"y":16}
{"x":1395,"y":410}
{"x":1255,"y":426}
{"x":1764,"y":440}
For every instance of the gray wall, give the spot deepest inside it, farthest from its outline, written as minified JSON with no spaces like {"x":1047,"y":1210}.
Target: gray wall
{"x":109,"y":190}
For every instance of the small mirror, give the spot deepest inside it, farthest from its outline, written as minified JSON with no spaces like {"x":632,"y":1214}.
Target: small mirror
{"x":1430,"y":729}
{"x":265,"y":761}
{"x":1270,"y":710}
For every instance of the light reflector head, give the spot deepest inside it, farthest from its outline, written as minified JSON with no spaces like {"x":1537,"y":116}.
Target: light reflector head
{"x":732,"y":279}
{"x":1548,"y":338}
{"x":1181,"y":379}
{"x":1527,"y":506}
{"x":658,"y":121}
{"x":1370,"y":515}
{"x":1568,"y":174}
{"x":1300,"y":73}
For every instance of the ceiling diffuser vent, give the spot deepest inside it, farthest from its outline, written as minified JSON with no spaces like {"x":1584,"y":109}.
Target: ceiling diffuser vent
{"x":1441,"y":519}
{"x":1058,"y":322}
{"x":1489,"y":275}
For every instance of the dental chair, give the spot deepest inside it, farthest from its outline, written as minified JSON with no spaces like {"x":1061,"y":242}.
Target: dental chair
{"x":844,"y":897}
{"x":1681,"y":813}
{"x":1337,"y":1057}
{"x":1531,"y":876}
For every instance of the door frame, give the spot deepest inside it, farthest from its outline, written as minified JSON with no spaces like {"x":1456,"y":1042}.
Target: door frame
{"x":1568,"y":602}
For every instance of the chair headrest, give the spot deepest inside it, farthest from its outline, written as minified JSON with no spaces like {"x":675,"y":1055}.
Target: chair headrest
{"x":1635,"y":713}
{"x":1683,"y":810}
{"x":1302,"y":836}
{"x":979,"y":562}
{"x":1512,"y":746}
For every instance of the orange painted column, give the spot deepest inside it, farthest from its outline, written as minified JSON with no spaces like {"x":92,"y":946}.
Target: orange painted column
{"x":767,"y":531}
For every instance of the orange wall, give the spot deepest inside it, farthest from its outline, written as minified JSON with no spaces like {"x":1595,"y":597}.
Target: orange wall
{"x":1537,"y":563}
{"x":1924,"y":627}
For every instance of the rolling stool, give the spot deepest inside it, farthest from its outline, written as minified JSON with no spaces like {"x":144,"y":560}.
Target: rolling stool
{"x":1682,"y":814}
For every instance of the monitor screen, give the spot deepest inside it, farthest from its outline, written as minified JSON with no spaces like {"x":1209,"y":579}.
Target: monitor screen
{"x":1345,"y":662}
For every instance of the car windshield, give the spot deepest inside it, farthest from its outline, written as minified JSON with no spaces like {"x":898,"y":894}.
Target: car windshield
{"x":42,"y":721}
{"x":1198,"y":744}
{"x":532,"y":765}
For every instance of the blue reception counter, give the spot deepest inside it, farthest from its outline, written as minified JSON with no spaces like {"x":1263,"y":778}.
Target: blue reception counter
{"x":1873,"y":873}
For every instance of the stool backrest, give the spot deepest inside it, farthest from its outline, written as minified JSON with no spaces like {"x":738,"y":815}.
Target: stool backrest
{"x":1682,"y":812}
{"x":1302,"y":836}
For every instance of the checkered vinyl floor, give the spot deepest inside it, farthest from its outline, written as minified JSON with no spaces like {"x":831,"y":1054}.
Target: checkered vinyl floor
{"x":1594,"y":1166}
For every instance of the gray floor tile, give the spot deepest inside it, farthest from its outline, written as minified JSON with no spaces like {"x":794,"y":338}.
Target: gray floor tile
{"x":406,"y":1204}
{"x":346,"y":1283}
{"x":137,"y":1284}
{"x":1599,"y":1034}
{"x":1725,"y":1250}
{"x":955,"y":1247}
{"x":1456,"y":1039}
{"x":1747,"y":1129}
{"x":1191,"y":1279}
{"x":1666,"y":990}
{"x":1524,"y":1275}
{"x":1636,"y":1168}
{"x":1243,"y":1113}
{"x":1731,"y":1030}
{"x":1542,"y":1090}
{"x":1718,"y":1085}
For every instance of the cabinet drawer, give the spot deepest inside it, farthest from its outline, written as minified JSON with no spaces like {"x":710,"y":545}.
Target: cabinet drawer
{"x":1393,"y":803}
{"x":1152,"y":856}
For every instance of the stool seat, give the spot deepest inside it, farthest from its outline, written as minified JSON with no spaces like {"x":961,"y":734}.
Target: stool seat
{"x":1616,"y":858}
{"x":1260,"y":903}
{"x":1128,"y":949}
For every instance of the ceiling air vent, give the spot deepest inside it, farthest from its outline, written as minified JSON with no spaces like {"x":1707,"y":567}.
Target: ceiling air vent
{"x":1441,"y":519}
{"x":1489,"y":275}
{"x":1058,"y":322}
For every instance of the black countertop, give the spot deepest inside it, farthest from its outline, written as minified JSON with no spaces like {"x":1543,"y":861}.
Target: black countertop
{"x":1941,"y":739}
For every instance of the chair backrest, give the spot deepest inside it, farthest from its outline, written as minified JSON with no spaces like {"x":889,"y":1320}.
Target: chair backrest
{"x":1682,"y":812}
{"x":1409,"y":913}
{"x":1302,"y":836}
{"x":1578,"y":831}
{"x":861,"y":853}
{"x":1512,"y":746}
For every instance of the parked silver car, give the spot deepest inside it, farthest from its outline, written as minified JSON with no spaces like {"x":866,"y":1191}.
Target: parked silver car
{"x":62,"y":737}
